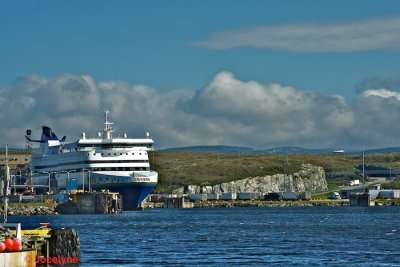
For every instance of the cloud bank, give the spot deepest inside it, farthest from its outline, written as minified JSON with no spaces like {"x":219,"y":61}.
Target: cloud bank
{"x":227,"y":111}
{"x":371,"y":34}
{"x":391,"y":83}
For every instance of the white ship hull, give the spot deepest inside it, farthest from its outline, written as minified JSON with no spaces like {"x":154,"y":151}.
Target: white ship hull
{"x":117,"y":164}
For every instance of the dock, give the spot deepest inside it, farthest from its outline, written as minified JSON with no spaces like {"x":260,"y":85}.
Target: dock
{"x":360,"y":199}
{"x":177,"y":202}
{"x":103,"y":202}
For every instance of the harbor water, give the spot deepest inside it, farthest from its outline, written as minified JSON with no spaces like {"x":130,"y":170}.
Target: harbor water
{"x":288,"y":236}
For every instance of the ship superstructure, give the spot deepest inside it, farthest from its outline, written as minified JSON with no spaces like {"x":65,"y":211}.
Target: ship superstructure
{"x":118,"y":164}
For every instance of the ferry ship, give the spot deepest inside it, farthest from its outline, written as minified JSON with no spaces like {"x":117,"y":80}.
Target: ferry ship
{"x":101,"y":163}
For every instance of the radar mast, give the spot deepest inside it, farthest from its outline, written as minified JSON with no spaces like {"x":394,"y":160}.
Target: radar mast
{"x":108,"y":130}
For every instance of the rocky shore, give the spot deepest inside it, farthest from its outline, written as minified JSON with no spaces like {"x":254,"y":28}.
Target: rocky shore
{"x":27,"y":210}
{"x":267,"y":204}
{"x":270,"y":204}
{"x":264,"y":204}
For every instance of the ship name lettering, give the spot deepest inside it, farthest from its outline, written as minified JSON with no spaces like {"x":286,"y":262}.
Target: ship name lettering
{"x":142,"y":179}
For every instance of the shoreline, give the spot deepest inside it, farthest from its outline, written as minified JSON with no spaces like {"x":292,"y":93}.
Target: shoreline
{"x":264,"y":204}
{"x":46,"y":209}
{"x":26,"y":209}
{"x":276,"y":204}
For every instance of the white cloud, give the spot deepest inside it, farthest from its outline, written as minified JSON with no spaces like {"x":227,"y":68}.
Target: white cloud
{"x":269,"y":114}
{"x":381,"y":93}
{"x":227,"y":111}
{"x":370,"y":34}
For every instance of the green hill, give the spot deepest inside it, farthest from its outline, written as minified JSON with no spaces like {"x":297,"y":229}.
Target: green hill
{"x":183,"y":168}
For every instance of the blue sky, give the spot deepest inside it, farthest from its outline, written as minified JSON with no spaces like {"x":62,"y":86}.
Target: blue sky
{"x":153,"y":42}
{"x":179,"y":50}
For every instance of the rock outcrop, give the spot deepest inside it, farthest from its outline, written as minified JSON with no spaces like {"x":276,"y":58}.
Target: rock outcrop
{"x":310,"y":178}
{"x":28,"y":210}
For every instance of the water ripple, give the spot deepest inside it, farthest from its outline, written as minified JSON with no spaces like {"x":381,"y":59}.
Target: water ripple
{"x":317,"y":236}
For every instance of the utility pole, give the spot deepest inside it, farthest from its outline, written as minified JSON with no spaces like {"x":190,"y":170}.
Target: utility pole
{"x":287,"y":178}
{"x":363,"y":168}
{"x":6,"y":179}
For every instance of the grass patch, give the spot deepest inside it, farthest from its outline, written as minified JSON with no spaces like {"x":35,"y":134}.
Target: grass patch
{"x":395,"y":184}
{"x":177,"y":169}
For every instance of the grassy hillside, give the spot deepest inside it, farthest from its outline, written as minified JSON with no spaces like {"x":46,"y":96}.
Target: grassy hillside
{"x":182,"y":168}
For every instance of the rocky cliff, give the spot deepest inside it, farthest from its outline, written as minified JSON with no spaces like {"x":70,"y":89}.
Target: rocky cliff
{"x":310,"y":178}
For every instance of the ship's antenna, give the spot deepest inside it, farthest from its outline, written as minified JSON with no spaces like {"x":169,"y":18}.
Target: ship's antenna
{"x":363,"y":167}
{"x":107,"y":126}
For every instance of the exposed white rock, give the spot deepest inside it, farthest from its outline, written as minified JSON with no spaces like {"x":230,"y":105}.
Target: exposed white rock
{"x":310,"y":178}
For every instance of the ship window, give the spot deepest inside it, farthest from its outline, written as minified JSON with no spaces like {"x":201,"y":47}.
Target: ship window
{"x":133,"y":153}
{"x":115,"y":154}
{"x":127,"y":153}
{"x":102,"y":154}
{"x":109,"y":154}
{"x":140,"y":153}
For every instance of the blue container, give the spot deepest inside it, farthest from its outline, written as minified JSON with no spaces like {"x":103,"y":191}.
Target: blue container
{"x":72,"y":184}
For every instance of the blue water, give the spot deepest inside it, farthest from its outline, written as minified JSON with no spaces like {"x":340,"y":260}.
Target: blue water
{"x":296,"y":236}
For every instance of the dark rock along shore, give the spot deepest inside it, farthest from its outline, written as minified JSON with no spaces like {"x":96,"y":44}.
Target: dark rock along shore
{"x":29,"y":210}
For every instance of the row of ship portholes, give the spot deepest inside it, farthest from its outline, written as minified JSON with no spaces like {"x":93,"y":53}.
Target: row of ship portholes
{"x":115,"y":154}
{"x":101,"y":180}
{"x":108,"y":179}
